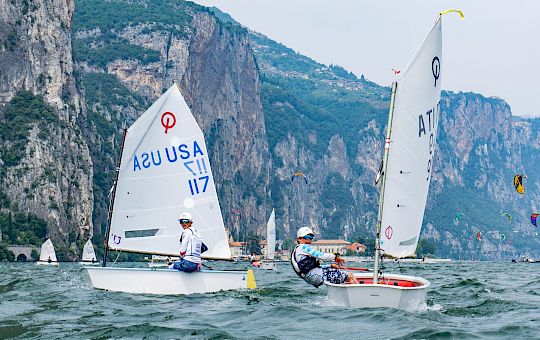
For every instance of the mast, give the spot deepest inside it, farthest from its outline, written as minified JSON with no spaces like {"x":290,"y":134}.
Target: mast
{"x":112,"y":199}
{"x":383,"y":183}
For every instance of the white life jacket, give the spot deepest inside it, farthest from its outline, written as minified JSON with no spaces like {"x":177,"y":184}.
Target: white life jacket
{"x":190,"y":245}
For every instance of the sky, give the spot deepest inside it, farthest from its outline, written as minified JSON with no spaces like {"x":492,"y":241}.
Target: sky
{"x":494,"y":51}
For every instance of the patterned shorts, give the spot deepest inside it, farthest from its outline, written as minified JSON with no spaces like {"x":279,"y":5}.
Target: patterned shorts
{"x":336,"y":276}
{"x":317,"y":276}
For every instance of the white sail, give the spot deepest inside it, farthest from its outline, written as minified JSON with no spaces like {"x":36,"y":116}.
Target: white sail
{"x":88,"y":254}
{"x":412,"y":146}
{"x":271,"y":236}
{"x":47,"y":252}
{"x":165,"y":171}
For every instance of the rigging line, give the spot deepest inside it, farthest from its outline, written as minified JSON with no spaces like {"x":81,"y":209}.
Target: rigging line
{"x":399,"y":266}
{"x":206,"y":266}
{"x":117,"y":256}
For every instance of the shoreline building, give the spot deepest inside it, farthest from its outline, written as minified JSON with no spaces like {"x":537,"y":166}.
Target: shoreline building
{"x":356,"y":247}
{"x":331,"y":246}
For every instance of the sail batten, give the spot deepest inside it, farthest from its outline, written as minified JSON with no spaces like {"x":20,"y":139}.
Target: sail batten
{"x":412,"y":147}
{"x":165,"y":171}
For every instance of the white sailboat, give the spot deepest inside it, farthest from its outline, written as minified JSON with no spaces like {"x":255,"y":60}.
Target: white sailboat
{"x":406,"y":173}
{"x":268,"y":262}
{"x":89,"y":255}
{"x":47,"y":256}
{"x":164,"y":170}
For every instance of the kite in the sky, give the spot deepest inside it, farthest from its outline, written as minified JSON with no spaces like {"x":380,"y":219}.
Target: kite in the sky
{"x":533,"y":219}
{"x":508,"y":216}
{"x":518,"y":183}
{"x":299,"y":174}
{"x":458,"y":215}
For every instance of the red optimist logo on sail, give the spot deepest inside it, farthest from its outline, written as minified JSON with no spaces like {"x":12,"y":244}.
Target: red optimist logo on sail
{"x":168,"y":120}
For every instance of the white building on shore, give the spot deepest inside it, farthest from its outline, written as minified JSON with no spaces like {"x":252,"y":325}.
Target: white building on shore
{"x":331,"y":246}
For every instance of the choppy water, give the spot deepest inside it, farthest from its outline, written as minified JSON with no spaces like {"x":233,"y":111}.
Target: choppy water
{"x":466,"y":300}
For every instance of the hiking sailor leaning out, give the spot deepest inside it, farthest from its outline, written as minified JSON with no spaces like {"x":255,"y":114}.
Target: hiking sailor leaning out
{"x":190,"y":246}
{"x":305,"y":262}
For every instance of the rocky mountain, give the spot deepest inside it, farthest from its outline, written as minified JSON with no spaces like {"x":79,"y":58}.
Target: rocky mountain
{"x":329,"y":124}
{"x":45,"y":165}
{"x":72,"y":78}
{"x":141,"y":54}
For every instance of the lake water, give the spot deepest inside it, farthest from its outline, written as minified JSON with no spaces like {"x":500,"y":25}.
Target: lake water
{"x":466,"y":300}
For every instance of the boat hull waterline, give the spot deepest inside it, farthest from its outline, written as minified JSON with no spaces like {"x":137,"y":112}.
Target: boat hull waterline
{"x":45,"y":263}
{"x":167,"y":281}
{"x":268,"y":265}
{"x":393,"y":291}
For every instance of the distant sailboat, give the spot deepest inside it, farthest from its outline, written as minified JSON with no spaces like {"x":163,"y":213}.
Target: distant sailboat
{"x":164,"y":170}
{"x":89,"y":255}
{"x":270,"y":243}
{"x":47,"y":255}
{"x":406,"y":173}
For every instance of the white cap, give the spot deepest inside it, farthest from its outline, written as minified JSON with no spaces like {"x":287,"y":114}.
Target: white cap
{"x":186,"y":216}
{"x":304,"y":231}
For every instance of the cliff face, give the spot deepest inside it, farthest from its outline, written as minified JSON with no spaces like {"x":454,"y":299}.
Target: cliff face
{"x":52,"y":176}
{"x":481,"y":148}
{"x":217,"y":74}
{"x":330,"y":125}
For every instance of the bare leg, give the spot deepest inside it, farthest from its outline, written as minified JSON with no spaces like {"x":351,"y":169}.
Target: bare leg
{"x":351,"y":279}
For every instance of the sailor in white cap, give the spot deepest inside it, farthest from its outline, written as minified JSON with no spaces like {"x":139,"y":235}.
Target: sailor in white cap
{"x":306,"y":263}
{"x":190,"y":246}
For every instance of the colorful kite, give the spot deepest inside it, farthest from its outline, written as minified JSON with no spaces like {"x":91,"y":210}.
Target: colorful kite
{"x":518,"y":183}
{"x":299,"y":174}
{"x":458,"y":215}
{"x":533,"y":219}
{"x":508,"y":216}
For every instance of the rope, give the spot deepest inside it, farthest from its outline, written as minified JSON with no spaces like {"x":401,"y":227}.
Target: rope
{"x":117,"y":256}
{"x":354,"y":268}
{"x":205,"y":266}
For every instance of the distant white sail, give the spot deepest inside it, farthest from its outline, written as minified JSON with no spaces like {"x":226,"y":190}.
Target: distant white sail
{"x":88,"y":252}
{"x":271,"y":236}
{"x":165,"y":171}
{"x":412,"y":146}
{"x":47,"y":252}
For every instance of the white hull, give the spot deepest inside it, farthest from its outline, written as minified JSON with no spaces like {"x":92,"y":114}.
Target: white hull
{"x":380,"y":295}
{"x":167,"y":281}
{"x":268,"y":265}
{"x":89,"y":263}
{"x":45,"y":263}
